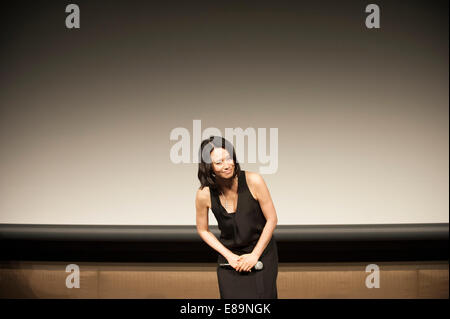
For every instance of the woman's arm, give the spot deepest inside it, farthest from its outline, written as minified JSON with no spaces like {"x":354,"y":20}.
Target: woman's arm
{"x":201,"y":205}
{"x":262,"y":194}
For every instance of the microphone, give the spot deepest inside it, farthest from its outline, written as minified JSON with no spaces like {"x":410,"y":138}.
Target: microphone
{"x":259,"y":265}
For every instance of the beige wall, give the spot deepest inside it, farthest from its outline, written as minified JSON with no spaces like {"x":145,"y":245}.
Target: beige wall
{"x":157,"y":280}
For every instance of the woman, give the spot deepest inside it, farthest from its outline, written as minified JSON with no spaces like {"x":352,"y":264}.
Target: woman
{"x":246,"y":218}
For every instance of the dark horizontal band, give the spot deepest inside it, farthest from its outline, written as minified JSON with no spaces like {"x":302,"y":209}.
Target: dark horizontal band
{"x":165,"y":243}
{"x":189,"y":233}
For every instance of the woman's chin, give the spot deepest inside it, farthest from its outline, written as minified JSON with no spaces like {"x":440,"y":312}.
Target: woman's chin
{"x":227,"y":174}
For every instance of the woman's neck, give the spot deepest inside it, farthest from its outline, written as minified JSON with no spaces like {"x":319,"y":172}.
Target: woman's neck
{"x":226,"y":184}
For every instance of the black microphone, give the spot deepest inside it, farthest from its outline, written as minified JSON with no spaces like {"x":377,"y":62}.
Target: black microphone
{"x":259,"y":266}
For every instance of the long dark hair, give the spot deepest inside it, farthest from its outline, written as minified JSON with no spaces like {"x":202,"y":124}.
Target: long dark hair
{"x":205,"y":169}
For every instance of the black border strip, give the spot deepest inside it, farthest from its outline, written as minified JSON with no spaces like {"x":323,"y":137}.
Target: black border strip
{"x":166,"y":243}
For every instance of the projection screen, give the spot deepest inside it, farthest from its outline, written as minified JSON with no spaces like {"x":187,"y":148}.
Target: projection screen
{"x":101,"y":125}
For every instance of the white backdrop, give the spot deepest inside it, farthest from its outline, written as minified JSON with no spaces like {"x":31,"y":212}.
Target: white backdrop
{"x":361,"y":115}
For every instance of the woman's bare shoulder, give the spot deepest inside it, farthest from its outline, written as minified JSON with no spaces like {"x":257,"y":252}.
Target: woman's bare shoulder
{"x":254,"y":178}
{"x":254,"y":182}
{"x":203,"y":196}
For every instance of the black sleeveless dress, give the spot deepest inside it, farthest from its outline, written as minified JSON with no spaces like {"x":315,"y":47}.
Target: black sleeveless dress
{"x":240,"y":232}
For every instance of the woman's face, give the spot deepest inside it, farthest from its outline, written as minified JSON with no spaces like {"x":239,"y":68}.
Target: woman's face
{"x":222,"y":163}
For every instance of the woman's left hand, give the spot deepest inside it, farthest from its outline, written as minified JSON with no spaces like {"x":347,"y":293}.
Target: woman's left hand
{"x":246,"y":262}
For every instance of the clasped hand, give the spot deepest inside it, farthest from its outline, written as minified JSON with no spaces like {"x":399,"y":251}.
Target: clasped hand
{"x":246,"y":262}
